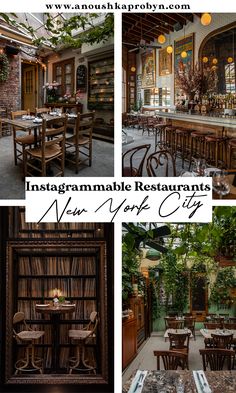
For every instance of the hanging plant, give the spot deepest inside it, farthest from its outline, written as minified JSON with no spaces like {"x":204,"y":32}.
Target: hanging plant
{"x":4,"y":67}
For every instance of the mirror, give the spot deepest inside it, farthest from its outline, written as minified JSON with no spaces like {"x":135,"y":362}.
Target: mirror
{"x":218,"y":52}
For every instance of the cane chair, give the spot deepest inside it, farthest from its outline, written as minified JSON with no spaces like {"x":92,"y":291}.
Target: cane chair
{"x":171,"y":359}
{"x":27,"y":337}
{"x":21,"y":140}
{"x":179,"y":343}
{"x":160,"y":161}
{"x":51,"y":150}
{"x":81,"y":338}
{"x":217,"y":359}
{"x":133,"y":160}
{"x":79,"y":146}
{"x":223,"y":341}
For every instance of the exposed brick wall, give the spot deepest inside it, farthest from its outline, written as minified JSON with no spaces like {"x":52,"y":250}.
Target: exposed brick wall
{"x":10,"y":93}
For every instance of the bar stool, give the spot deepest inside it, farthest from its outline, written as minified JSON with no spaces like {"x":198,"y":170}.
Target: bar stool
{"x":182,"y":143}
{"x":28,"y":337}
{"x":232,"y":150}
{"x":197,"y":146}
{"x":169,"y":138}
{"x":215,"y":148}
{"x":81,"y":338}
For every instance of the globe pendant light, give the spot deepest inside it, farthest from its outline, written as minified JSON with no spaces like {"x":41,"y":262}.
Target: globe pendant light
{"x":169,"y":49}
{"x":183,"y":54}
{"x":206,"y":19}
{"x":230,"y":60}
{"x":214,"y":61}
{"x":205,"y":59}
{"x":161,"y":39}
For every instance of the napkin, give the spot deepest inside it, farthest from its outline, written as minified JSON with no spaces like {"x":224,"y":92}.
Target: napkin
{"x":201,"y":382}
{"x":137,"y":383}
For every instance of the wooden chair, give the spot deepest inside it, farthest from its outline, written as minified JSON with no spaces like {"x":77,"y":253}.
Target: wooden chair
{"x":50,"y":151}
{"x":5,"y":129}
{"x":232,"y":319}
{"x":179,"y":343}
{"x":174,"y":324}
{"x":189,"y":323}
{"x":230,"y":325}
{"x":20,"y":141}
{"x":212,"y":325}
{"x":167,"y":319}
{"x":40,"y":111}
{"x":222,"y":341}
{"x":161,"y":159}
{"x":217,"y":359}
{"x":81,"y":338}
{"x":79,"y":146}
{"x":171,"y":359}
{"x":28,"y":337}
{"x":133,"y":160}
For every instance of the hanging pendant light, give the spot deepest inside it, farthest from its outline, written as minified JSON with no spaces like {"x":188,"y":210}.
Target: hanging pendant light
{"x":183,"y":54}
{"x":215,"y":60}
{"x":206,"y":19}
{"x":132,"y":69}
{"x":205,"y":59}
{"x":161,"y":39}
{"x":169,"y":49}
{"x":230,"y":60}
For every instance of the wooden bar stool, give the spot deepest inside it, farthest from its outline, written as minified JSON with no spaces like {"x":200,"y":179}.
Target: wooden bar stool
{"x":197,"y":145}
{"x":28,"y":337}
{"x":182,"y":143}
{"x":232,"y":150}
{"x":169,"y":142}
{"x":81,"y":338}
{"x":215,"y":148}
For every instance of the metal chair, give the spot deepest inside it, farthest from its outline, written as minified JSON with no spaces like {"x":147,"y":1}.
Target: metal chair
{"x":27,"y":337}
{"x":81,"y":338}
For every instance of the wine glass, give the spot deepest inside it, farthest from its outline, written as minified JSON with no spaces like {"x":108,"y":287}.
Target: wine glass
{"x":220,"y":183}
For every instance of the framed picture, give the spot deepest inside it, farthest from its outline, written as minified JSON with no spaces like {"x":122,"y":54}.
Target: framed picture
{"x":149,"y":68}
{"x":183,"y":44}
{"x":165,"y":62}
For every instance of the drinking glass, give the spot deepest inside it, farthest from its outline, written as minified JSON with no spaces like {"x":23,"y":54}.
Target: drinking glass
{"x":199,"y":166}
{"x":220,"y":183}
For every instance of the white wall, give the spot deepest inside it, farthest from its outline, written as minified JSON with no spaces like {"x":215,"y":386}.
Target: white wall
{"x":218,"y":20}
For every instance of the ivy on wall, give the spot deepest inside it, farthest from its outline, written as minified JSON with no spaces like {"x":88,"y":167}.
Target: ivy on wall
{"x":4,"y":67}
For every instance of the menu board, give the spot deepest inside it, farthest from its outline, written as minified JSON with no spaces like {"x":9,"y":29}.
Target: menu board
{"x":81,"y":78}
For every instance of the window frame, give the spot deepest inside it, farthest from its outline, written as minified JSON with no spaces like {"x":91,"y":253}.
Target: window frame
{"x":63,"y":64}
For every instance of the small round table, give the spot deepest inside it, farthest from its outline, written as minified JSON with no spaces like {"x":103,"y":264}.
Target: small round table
{"x":55,"y":313}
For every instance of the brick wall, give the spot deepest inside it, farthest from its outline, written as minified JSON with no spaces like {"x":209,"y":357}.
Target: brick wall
{"x":10,"y":92}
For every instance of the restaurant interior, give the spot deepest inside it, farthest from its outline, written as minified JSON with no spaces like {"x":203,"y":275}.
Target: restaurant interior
{"x":55,"y":66}
{"x":57,"y":314}
{"x":179,"y":96}
{"x":179,"y":305}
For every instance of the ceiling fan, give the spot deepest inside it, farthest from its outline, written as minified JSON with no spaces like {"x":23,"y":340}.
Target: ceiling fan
{"x":141,"y":235}
{"x":142,"y":43}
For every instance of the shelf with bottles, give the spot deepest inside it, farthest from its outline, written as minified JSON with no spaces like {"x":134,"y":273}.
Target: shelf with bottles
{"x":101,"y":84}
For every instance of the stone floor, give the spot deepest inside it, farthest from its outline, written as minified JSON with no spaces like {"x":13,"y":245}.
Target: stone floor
{"x":12,"y":186}
{"x":133,"y":137}
{"x":145,"y":360}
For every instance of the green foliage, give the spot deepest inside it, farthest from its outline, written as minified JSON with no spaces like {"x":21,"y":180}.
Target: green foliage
{"x":60,"y":31}
{"x":225,"y":281}
{"x":4,"y":67}
{"x":130,"y":265}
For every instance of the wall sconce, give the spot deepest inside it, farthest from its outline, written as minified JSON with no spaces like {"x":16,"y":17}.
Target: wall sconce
{"x":206,"y":19}
{"x":161,"y":39}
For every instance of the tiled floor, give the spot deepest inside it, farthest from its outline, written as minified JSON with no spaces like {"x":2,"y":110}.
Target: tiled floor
{"x":145,"y":359}
{"x":12,"y":186}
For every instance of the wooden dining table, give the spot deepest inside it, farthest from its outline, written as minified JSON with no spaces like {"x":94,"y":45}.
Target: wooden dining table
{"x":30,"y":124}
{"x":177,"y":331}
{"x":183,"y":381}
{"x":206,"y":333}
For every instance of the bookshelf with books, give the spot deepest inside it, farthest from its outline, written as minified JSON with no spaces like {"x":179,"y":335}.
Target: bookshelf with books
{"x":71,"y":260}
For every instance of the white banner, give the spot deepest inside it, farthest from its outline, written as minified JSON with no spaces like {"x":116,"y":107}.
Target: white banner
{"x":121,"y":200}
